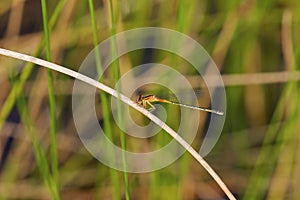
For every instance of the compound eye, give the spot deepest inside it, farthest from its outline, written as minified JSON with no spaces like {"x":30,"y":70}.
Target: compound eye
{"x":139,"y":99}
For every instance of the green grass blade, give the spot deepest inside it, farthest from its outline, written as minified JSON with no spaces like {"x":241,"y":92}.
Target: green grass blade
{"x":52,"y":106}
{"x":39,"y":153}
{"x":16,"y":90}
{"x":104,"y":102}
{"x":116,"y":72}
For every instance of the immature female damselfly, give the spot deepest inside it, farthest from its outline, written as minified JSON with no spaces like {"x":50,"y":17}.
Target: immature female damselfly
{"x":149,"y":99}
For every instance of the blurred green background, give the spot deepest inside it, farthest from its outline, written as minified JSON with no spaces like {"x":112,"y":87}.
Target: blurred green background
{"x":255,"y":44}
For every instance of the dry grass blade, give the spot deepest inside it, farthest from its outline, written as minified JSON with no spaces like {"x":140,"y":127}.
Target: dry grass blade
{"x":126,"y":100}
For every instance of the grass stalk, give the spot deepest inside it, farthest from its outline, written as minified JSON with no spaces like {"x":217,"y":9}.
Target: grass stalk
{"x":52,"y":106}
{"x":104,"y":103}
{"x":269,"y":154}
{"x":39,"y":153}
{"x":116,"y":72}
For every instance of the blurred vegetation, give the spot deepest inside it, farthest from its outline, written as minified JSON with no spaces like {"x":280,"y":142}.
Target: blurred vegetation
{"x":254,"y":43}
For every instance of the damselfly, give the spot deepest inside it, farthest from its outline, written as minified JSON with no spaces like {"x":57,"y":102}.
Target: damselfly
{"x":149,"y":99}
